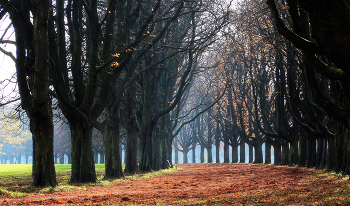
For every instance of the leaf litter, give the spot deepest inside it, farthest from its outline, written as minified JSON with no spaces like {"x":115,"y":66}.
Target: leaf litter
{"x":206,"y":184}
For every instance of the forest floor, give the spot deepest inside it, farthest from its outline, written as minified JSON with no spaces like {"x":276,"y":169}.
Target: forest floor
{"x":206,"y":184}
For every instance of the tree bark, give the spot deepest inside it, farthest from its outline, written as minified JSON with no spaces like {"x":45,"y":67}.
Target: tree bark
{"x":277,"y":153}
{"x":133,"y":130}
{"x":83,"y":165}
{"x":251,"y":154}
{"x":267,"y":152}
{"x":242,"y":152}
{"x":217,"y":142}
{"x":41,"y":123}
{"x":285,"y":153}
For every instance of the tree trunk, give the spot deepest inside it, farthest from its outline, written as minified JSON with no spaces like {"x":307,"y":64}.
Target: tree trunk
{"x":210,"y":154}
{"x":176,"y":151}
{"x":131,"y":150}
{"x":311,"y":161}
{"x":202,"y":153}
{"x":96,"y":157}
{"x":217,"y":143}
{"x":194,"y":144}
{"x":234,"y":153}
{"x":156,"y":158}
{"x":170,"y":149}
{"x":102,"y":158}
{"x":332,"y":154}
{"x":185,"y":158}
{"x":164,"y":149}
{"x":61,"y":159}
{"x":258,"y":153}
{"x":294,"y":151}
{"x":209,"y":144}
{"x":145,"y":147}
{"x":267,"y":152}
{"x":113,"y":166}
{"x":250,"y":154}
{"x":41,"y":123}
{"x":69,"y":159}
{"x":285,"y":153}
{"x":303,"y":150}
{"x":146,"y":124}
{"x":226,"y":146}
{"x":242,"y":152}
{"x":83,"y":165}
{"x":133,"y":129}
{"x":277,"y":153}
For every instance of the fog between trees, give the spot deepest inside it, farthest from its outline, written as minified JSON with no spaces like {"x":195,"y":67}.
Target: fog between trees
{"x":151,"y":77}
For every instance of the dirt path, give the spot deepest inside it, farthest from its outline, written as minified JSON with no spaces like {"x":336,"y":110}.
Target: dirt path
{"x":194,"y":183}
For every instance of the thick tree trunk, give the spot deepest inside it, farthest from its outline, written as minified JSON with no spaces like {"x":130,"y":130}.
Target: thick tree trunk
{"x":277,"y":153}
{"x":113,"y":164}
{"x":102,"y":158}
{"x":332,"y":154}
{"x":258,"y":153}
{"x":146,"y":148}
{"x":210,"y":154}
{"x":321,"y":152}
{"x":83,"y":165}
{"x":285,"y":153}
{"x":217,"y":153}
{"x":311,"y":159}
{"x":185,"y":158}
{"x":294,"y":151}
{"x":41,"y":123}
{"x":131,"y":151}
{"x":303,"y":150}
{"x":131,"y":143}
{"x":96,"y":157}
{"x":242,"y":152}
{"x":250,"y":154}
{"x":146,"y":124}
{"x":234,"y":153}
{"x":156,"y":158}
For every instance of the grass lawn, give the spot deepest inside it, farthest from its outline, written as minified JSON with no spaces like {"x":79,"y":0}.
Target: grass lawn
{"x":15,"y":179}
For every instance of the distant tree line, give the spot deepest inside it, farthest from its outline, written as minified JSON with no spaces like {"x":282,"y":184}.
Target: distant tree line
{"x":284,"y":63}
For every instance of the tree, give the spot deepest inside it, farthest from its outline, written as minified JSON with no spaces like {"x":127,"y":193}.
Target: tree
{"x":33,"y":62}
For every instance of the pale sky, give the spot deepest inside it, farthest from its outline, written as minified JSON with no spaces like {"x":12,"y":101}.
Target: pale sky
{"x":7,"y":65}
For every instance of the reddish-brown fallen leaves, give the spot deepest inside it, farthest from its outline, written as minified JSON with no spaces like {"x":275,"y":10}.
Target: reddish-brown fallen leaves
{"x":211,"y":183}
